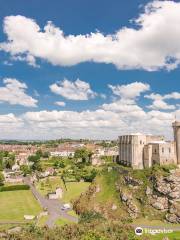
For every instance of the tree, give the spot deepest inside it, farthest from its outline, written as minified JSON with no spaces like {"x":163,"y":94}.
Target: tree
{"x":89,"y":177}
{"x":39,"y":153}
{"x":46,"y":155}
{"x":9,"y":162}
{"x":83,"y":154}
{"x":1,"y":179}
{"x":25,"y":169}
{"x":34,"y":158}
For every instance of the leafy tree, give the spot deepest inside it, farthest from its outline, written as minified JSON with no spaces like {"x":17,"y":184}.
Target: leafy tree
{"x":39,"y":153}
{"x":34,"y":158}
{"x":90,"y":216}
{"x":1,"y":179}
{"x":8,"y":163}
{"x":46,"y":155}
{"x":1,"y":164}
{"x":89,"y":177}
{"x":25,"y":169}
{"x":60,"y":164}
{"x":83,"y":154}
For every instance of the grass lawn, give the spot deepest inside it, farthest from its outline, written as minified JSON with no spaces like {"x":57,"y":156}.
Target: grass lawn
{"x":144,"y":221}
{"x":74,"y":189}
{"x":169,"y":236}
{"x":45,"y":186}
{"x":42,"y":221}
{"x":72,"y":213}
{"x":62,"y":221}
{"x":15,"y":204}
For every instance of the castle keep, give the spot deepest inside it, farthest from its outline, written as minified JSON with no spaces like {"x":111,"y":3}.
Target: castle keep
{"x":140,"y":151}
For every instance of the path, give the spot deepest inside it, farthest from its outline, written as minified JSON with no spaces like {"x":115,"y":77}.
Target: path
{"x":53,"y":206}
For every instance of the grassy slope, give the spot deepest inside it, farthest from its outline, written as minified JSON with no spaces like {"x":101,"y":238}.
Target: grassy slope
{"x":15,"y":204}
{"x":62,"y":221}
{"x":108,"y":195}
{"x":74,"y":189}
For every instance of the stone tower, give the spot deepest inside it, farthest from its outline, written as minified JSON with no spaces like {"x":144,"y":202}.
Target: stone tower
{"x":176,"y":128}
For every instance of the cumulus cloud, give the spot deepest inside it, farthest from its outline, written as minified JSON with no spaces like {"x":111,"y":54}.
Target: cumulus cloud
{"x":129,"y":91}
{"x":160,"y":104}
{"x":98,"y":124}
{"x":108,"y":121}
{"x":61,"y":104}
{"x":14,"y":92}
{"x":144,"y":45}
{"x":78,"y":90}
{"x":159,"y":100}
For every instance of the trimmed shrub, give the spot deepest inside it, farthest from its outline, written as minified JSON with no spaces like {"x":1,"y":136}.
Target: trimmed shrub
{"x":14,"y":188}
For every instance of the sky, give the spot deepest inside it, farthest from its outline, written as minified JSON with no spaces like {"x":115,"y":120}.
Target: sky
{"x":88,"y":69}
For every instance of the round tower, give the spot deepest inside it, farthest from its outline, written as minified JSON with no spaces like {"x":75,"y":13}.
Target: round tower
{"x":176,"y":128}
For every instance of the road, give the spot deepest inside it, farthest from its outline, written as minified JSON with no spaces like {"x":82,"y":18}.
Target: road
{"x":53,"y":206}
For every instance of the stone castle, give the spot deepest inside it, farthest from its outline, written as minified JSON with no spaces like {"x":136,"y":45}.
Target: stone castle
{"x":142,"y":151}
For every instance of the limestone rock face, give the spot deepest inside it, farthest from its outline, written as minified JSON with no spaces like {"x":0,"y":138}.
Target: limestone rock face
{"x":131,"y":206}
{"x":166,"y":195}
{"x":148,"y":191}
{"x":131,"y":181}
{"x":160,"y":203}
{"x":172,"y":218}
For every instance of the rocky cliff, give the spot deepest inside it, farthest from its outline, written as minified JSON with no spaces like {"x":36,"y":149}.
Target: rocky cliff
{"x":152,"y":194}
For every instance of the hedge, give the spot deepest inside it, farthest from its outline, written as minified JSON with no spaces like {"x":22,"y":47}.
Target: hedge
{"x":14,"y":188}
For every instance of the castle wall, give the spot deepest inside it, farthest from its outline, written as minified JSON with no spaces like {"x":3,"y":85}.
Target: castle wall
{"x":131,"y":150}
{"x":148,"y":156}
{"x":176,"y":128}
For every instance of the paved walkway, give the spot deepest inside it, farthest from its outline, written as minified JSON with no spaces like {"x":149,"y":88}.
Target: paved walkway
{"x":53,"y":206}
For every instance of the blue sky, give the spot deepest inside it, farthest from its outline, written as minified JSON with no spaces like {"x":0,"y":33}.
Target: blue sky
{"x":129,"y":56}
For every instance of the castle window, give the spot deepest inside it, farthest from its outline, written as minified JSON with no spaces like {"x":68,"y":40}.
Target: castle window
{"x":169,"y":150}
{"x":140,"y":142}
{"x":162,"y":150}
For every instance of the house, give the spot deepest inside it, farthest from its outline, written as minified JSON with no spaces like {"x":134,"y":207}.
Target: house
{"x":48,"y":172}
{"x":15,"y":167}
{"x":63,"y":153}
{"x":11,"y":177}
{"x":57,"y":194}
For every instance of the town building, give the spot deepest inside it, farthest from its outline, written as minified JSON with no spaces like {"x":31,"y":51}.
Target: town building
{"x":142,"y":151}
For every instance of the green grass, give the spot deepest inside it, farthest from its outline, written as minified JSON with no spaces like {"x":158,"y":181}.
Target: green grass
{"x":74,"y":189}
{"x":107,"y":183}
{"x":42,"y":221}
{"x":62,"y":221}
{"x":15,"y":204}
{"x":171,"y":236}
{"x":72,"y":213}
{"x":144,"y":221}
{"x":45,"y":186}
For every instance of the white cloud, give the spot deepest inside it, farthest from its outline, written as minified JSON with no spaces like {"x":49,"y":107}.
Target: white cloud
{"x":159,"y":103}
{"x":78,"y":90}
{"x":97,"y":124}
{"x":61,"y":104}
{"x":145,"y":45}
{"x":31,"y":60}
{"x":173,"y":95}
{"x":129,"y":91}
{"x":14,"y":92}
